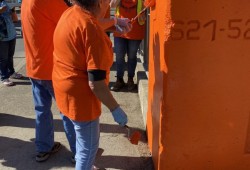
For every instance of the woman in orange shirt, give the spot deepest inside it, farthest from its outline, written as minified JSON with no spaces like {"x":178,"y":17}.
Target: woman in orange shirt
{"x":39,"y":20}
{"x":82,"y":59}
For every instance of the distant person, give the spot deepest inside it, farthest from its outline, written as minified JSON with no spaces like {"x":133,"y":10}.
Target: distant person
{"x":82,"y":59}
{"x":128,"y":43}
{"x":7,"y":46}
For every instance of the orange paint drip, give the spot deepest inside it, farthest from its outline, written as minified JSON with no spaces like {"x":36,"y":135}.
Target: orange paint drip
{"x":135,"y":137}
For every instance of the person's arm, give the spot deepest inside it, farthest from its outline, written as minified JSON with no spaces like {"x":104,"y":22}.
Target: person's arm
{"x":99,"y":87}
{"x":120,"y":25}
{"x":114,"y":3}
{"x":107,"y":23}
{"x":102,"y":92}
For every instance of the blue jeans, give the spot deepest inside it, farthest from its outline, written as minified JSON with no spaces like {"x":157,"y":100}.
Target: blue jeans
{"x":123,"y":46}
{"x":87,"y":143}
{"x":7,"y":50}
{"x":43,"y":94}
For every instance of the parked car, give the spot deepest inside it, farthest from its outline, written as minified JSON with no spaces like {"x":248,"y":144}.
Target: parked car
{"x":14,"y":3}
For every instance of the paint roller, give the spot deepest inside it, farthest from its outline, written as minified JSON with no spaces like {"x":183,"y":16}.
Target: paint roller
{"x":134,"y":137}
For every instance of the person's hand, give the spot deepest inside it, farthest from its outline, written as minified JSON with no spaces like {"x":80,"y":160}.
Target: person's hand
{"x":120,"y":116}
{"x":124,"y":24}
{"x":121,"y":30}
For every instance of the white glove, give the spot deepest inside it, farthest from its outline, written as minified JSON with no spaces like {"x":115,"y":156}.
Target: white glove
{"x":123,"y":25}
{"x":123,"y":22}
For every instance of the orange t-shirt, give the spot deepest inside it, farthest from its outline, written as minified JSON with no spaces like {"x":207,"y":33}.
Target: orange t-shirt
{"x":128,"y":9}
{"x":80,"y":44}
{"x":39,"y":19}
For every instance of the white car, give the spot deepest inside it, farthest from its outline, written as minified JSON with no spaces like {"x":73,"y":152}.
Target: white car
{"x":14,"y":3}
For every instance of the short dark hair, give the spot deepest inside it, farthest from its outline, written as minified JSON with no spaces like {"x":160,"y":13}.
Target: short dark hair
{"x":87,"y":4}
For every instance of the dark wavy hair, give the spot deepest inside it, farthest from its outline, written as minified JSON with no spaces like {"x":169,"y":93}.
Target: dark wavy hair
{"x":87,"y":4}
{"x":68,"y":2}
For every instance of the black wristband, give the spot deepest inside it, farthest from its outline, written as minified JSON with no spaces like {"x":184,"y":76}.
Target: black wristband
{"x":96,"y":75}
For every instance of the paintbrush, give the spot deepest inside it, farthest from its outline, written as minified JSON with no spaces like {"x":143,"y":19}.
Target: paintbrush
{"x":134,"y":137}
{"x":147,"y":5}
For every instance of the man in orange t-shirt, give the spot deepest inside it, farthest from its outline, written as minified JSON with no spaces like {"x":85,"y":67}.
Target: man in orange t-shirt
{"x":83,"y":56}
{"x":39,"y":20}
{"x":127,"y":43}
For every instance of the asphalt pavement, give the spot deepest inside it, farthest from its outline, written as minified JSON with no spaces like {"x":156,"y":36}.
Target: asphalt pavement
{"x":17,"y":129}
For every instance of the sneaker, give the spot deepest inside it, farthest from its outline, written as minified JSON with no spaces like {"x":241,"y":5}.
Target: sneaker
{"x":119,"y":84}
{"x":130,"y":84}
{"x":94,"y":167}
{"x":7,"y":82}
{"x":43,"y":156}
{"x":16,"y":76}
{"x":74,"y":162}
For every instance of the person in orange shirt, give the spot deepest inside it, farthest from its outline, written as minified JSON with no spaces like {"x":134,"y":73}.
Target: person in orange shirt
{"x":128,"y":43}
{"x":39,"y":20}
{"x":83,"y":57}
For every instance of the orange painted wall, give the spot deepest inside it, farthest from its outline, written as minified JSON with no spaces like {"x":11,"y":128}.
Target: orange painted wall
{"x":199,"y":85}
